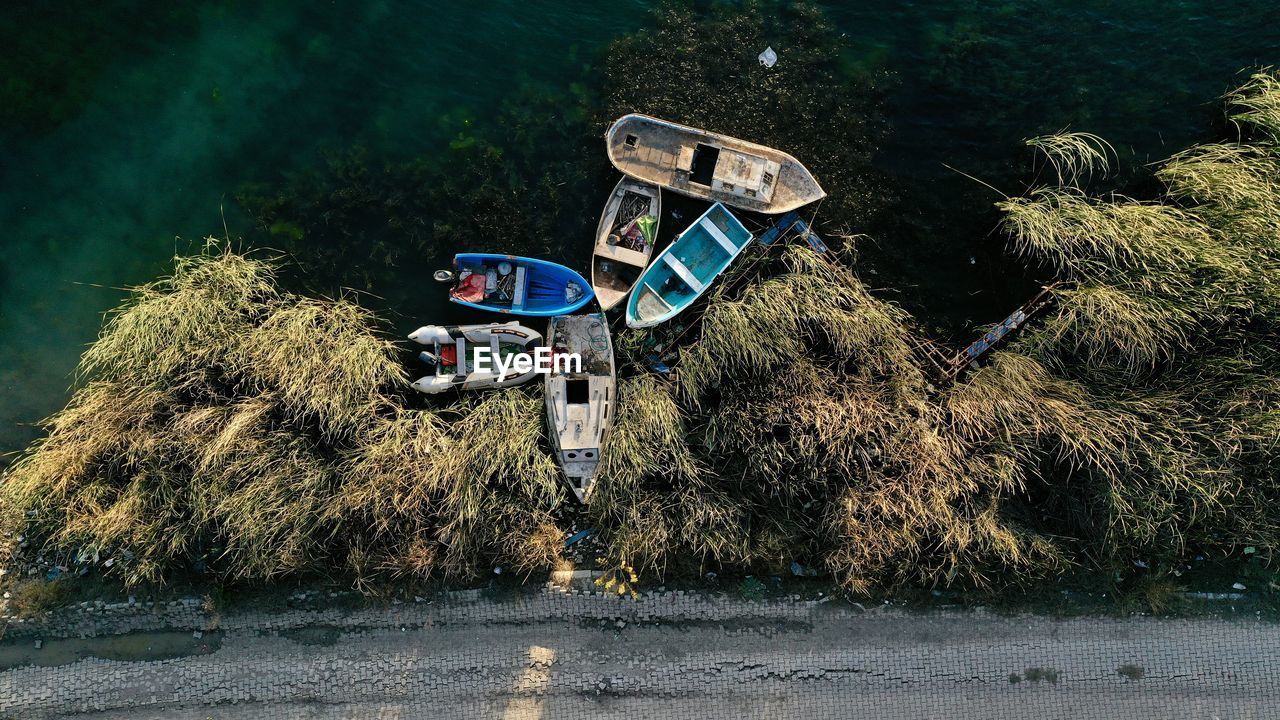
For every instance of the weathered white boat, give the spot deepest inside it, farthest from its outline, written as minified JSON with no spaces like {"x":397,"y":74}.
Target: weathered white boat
{"x":580,"y":400}
{"x":709,"y":165}
{"x":624,"y":239}
{"x":455,"y":358}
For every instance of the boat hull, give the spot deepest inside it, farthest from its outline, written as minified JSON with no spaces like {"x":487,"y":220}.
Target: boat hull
{"x":682,"y":272}
{"x":623,"y":251}
{"x":455,"y":360}
{"x":531,"y":287}
{"x":580,"y":401}
{"x":709,"y":165}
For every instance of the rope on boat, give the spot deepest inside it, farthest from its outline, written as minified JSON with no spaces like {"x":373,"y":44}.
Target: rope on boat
{"x":598,"y":336}
{"x":633,"y":206}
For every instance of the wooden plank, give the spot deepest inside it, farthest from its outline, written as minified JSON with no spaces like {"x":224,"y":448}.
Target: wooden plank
{"x":683,"y":273}
{"x":659,"y":297}
{"x":993,"y":337}
{"x":719,"y":236}
{"x":622,"y":255}
{"x":517,"y":300}
{"x":810,"y":236}
{"x":787,"y":223}
{"x":768,"y":237}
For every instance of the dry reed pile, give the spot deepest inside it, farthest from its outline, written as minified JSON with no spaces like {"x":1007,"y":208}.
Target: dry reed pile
{"x":224,"y":423}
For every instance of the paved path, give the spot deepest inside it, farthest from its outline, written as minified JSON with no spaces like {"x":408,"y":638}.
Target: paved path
{"x":553,"y":654}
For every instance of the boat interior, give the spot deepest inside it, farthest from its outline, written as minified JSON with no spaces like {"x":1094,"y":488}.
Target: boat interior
{"x":577,"y":391}
{"x":456,"y":358}
{"x":590,"y":342}
{"x":729,"y":171}
{"x":498,"y":283}
{"x":702,"y":164}
{"x":623,"y":251}
{"x":615,"y":272}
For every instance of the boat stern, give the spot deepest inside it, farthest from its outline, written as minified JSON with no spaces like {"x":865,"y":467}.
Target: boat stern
{"x":580,"y":474}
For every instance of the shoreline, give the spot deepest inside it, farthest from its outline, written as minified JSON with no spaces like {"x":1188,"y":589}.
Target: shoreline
{"x":1197,"y":601}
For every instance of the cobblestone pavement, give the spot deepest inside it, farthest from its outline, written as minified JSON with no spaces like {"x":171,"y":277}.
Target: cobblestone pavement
{"x":574,"y":654}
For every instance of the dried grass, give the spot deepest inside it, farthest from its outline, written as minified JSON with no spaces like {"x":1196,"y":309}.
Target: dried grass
{"x":1074,"y":156}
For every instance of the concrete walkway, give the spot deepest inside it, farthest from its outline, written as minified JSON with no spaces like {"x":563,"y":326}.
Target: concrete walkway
{"x":558,"y":654}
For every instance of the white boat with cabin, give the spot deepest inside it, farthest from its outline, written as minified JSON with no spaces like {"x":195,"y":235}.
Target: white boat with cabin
{"x":709,"y":165}
{"x":580,"y":401}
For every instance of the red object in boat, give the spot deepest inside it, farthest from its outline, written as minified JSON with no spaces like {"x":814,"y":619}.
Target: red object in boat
{"x":449,"y":355}
{"x":470,"y":288}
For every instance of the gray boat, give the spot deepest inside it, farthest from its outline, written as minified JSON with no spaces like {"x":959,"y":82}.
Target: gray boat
{"x":709,"y":165}
{"x":580,"y":401}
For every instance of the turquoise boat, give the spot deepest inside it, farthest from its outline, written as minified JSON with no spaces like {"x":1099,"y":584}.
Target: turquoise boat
{"x":687,"y":267}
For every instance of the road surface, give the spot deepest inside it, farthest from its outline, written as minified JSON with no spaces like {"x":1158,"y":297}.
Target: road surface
{"x":573,"y":654}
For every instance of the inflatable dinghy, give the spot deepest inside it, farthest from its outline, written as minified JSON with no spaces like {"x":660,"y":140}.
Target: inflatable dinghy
{"x":453,"y":354}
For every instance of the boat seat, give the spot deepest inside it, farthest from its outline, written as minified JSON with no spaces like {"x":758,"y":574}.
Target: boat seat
{"x":685,"y":160}
{"x":517,"y":295}
{"x":462,"y":368}
{"x":658,"y":297}
{"x":719,"y":236}
{"x":683,"y":273}
{"x":622,"y":255}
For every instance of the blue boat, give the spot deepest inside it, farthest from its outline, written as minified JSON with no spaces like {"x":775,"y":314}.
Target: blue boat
{"x":517,"y":285}
{"x":687,"y":267}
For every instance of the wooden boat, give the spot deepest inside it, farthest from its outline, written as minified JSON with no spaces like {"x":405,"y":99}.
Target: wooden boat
{"x":709,"y":165}
{"x":580,"y":400}
{"x":517,"y":285}
{"x":455,"y":358}
{"x":624,"y":239}
{"x":687,"y":267}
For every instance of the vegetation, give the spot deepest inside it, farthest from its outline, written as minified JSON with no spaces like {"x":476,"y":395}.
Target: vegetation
{"x":35,"y":598}
{"x":800,"y":425}
{"x":49,"y":77}
{"x":516,"y":176}
{"x":351,"y":219}
{"x":1167,"y":325}
{"x":225,"y":424}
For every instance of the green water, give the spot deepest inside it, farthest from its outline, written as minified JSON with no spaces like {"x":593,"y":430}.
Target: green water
{"x":126,"y":133}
